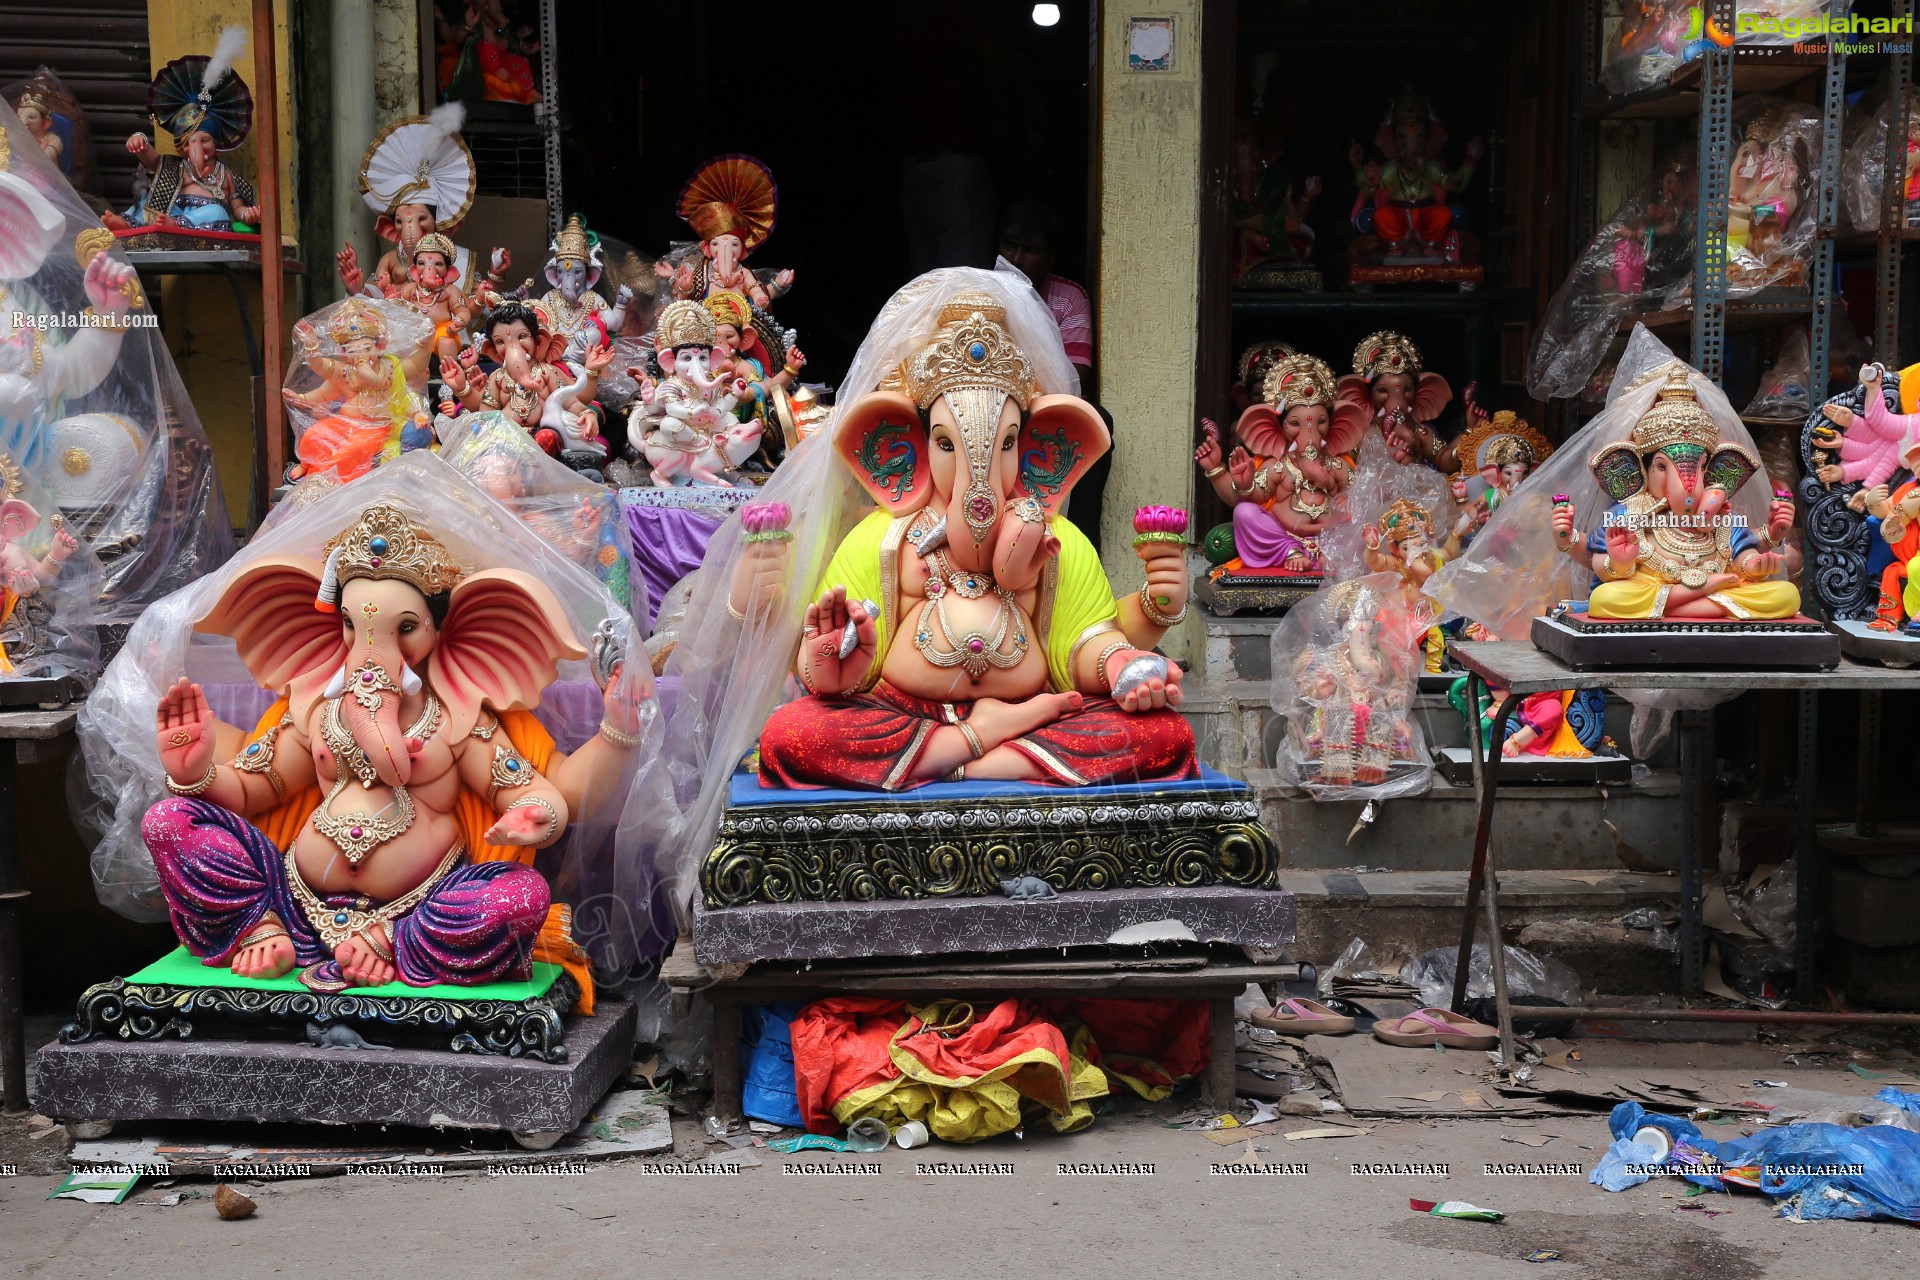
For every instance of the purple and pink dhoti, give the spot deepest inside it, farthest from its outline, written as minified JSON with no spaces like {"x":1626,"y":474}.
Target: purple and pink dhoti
{"x":221,"y":875}
{"x":1262,"y":542}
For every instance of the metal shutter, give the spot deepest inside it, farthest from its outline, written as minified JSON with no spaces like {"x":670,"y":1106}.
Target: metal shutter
{"x":98,"y":48}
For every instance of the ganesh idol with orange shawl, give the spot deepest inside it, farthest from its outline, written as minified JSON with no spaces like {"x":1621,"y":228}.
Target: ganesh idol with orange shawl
{"x":380,"y":820}
{"x":966,"y":629}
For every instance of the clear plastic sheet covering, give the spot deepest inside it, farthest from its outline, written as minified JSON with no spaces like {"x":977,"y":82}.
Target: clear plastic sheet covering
{"x":1514,"y":571}
{"x":1531,"y":979}
{"x":356,"y":386}
{"x":1346,"y":671}
{"x":1863,"y":171}
{"x":576,"y":517}
{"x":116,"y":775}
{"x":724,"y":678}
{"x":1641,"y":260}
{"x":1783,"y":387}
{"x":110,"y":436}
{"x":1379,"y":482}
{"x":49,"y":582}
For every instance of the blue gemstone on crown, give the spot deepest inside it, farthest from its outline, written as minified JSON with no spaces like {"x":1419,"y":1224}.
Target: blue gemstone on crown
{"x":377,"y":545}
{"x":978,"y":351}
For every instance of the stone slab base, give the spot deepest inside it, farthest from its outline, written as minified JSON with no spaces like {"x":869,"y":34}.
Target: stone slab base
{"x":1456,"y":766}
{"x":258,"y":1081}
{"x":935,"y":926}
{"x":1644,"y":645}
{"x":1863,"y":644}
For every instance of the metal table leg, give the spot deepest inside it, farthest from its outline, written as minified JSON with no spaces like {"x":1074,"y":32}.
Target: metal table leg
{"x":13,"y":981}
{"x":1808,"y":930}
{"x":1486,"y":777}
{"x":1696,"y":775}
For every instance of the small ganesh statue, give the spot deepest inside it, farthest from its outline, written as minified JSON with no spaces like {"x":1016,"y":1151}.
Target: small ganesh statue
{"x":1250,"y":371}
{"x":1662,"y":550}
{"x":1897,"y":610}
{"x":1406,"y":209}
{"x":1565,"y":724}
{"x":1400,"y":397}
{"x":27,"y":635}
{"x":575,"y":310}
{"x":1764,"y":191}
{"x":966,"y":630}
{"x":730,"y":204}
{"x":418,"y":178}
{"x":1284,"y":479}
{"x":380,"y":823}
{"x":354,"y":395}
{"x":684,"y":423}
{"x":207,"y":108}
{"x":433,"y":289}
{"x":1348,"y":673}
{"x":750,"y":346}
{"x":1494,"y":456}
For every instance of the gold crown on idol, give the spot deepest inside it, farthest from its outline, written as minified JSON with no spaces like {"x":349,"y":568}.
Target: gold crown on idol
{"x":1296,"y":380}
{"x":33,"y":98}
{"x":1508,"y":450}
{"x":685,"y":323}
{"x":1676,"y":418}
{"x":729,"y":307}
{"x":573,"y":244}
{"x":1260,"y":357}
{"x":1397,"y":519}
{"x":435,"y":242}
{"x":971,"y":349}
{"x":385,"y":543}
{"x":356,"y":320}
{"x":1385,"y":352}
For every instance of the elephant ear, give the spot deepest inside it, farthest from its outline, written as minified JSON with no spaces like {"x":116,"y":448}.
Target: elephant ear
{"x":504,"y":636}
{"x":1348,"y":427}
{"x":1259,"y":429}
{"x":1430,"y":395}
{"x":1355,"y":391}
{"x":1730,"y":467}
{"x":1061,"y":437}
{"x":17,"y":519}
{"x":882,"y":438}
{"x":284,"y":641}
{"x":1617,"y":468}
{"x":33,"y":227}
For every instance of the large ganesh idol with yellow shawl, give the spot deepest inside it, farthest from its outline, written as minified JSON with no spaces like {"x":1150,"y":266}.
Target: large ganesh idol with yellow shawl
{"x":1667,"y":547}
{"x":966,"y":629}
{"x":380,"y":821}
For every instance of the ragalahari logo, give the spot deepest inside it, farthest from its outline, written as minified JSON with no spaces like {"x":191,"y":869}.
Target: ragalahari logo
{"x":1698,"y":24}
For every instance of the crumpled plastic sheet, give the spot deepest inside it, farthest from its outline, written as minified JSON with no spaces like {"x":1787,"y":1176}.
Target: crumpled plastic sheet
{"x":1863,"y":171}
{"x":1656,"y":37}
{"x":1531,"y":979}
{"x":1783,"y":387}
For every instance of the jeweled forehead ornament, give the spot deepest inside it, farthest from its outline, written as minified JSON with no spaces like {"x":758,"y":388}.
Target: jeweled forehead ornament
{"x":384,"y":543}
{"x":974,"y":362}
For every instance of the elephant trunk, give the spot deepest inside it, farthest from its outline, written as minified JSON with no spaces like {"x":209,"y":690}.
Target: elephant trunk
{"x":371,"y":711}
{"x":1021,"y":551}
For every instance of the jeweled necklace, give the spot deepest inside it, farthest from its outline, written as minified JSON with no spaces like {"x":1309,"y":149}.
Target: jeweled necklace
{"x":966,"y":583}
{"x":974,"y":651}
{"x":357,"y":835}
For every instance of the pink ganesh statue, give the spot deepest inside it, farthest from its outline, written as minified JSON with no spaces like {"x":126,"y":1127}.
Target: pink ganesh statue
{"x":1870,"y":443}
{"x":380,"y":822}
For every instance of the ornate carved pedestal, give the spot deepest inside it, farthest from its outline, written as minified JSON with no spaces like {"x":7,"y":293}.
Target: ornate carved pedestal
{"x":1582,"y":642}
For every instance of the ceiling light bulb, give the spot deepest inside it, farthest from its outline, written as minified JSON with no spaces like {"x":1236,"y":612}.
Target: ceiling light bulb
{"x":1046,"y":15}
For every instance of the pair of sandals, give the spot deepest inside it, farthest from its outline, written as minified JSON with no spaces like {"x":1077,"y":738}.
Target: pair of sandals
{"x":1421,"y":1029}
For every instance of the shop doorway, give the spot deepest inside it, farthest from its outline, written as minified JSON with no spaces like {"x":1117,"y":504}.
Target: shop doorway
{"x":896,"y":133}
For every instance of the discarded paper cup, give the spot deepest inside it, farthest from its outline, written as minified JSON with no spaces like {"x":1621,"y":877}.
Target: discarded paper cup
{"x":1652,"y":1136}
{"x":869,"y":1133}
{"x":910,"y":1135}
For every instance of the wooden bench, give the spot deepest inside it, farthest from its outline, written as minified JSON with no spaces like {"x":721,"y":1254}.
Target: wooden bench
{"x":1217,"y":975}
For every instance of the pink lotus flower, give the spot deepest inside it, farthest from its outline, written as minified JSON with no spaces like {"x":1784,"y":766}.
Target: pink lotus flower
{"x":1160,"y":520}
{"x":765,"y":517}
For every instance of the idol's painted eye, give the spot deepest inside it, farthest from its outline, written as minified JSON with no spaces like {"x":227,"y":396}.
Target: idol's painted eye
{"x":943,"y":444}
{"x":1010,"y":442}
{"x":408,"y":628}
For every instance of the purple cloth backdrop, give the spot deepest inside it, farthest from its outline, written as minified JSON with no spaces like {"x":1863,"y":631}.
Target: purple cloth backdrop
{"x":668,"y":544}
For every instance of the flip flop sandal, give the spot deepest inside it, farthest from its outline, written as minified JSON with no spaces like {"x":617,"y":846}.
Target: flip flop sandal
{"x":1424,"y":1028}
{"x":1299,"y":1016}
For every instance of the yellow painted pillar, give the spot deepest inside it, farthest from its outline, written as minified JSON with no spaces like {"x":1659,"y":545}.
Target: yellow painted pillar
{"x":202,"y":323}
{"x":1149,"y":277}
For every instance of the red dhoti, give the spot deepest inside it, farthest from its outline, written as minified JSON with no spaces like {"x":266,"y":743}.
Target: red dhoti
{"x":1394,"y":223}
{"x":871,"y":742}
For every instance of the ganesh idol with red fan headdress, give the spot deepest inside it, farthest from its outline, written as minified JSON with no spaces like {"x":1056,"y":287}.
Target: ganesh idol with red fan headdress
{"x":730,"y":203}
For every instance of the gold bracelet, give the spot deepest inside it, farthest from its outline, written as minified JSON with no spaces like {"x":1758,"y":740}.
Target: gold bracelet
{"x":1100,"y":663}
{"x":973,"y":739}
{"x":553,"y":815}
{"x":374,"y":944}
{"x":1216,"y":471}
{"x":734,"y":613}
{"x":618,"y":737}
{"x":1156,"y":617}
{"x":197,"y":788}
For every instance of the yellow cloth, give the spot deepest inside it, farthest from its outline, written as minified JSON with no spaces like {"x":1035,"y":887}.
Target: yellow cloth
{"x":1910,"y":388}
{"x":6,"y":611}
{"x":982,"y":1106}
{"x":555,"y":945}
{"x":1566,"y":745}
{"x":1910,"y":596}
{"x":1635,"y":597}
{"x":1081,"y":596}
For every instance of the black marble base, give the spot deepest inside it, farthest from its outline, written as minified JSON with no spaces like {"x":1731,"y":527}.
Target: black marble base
{"x":257,"y":1081}
{"x":1647,"y":643}
{"x":1253,"y":593}
{"x":164,"y":1011}
{"x":1863,"y":644}
{"x":1261,"y":918}
{"x":41,"y":691}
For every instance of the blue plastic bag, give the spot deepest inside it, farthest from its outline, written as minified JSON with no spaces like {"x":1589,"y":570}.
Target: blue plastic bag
{"x":1893,"y":1097}
{"x":1623,"y":1165}
{"x":767,"y":1088}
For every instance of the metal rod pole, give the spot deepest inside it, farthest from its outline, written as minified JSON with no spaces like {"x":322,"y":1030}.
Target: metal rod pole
{"x":1782,"y":1017}
{"x":272,"y":296}
{"x":1710,"y":227}
{"x":13,"y":979}
{"x":1827,"y":202}
{"x":1485,"y":775}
